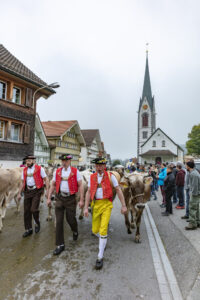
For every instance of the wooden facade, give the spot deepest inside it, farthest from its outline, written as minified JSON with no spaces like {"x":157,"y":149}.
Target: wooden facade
{"x":17,"y":110}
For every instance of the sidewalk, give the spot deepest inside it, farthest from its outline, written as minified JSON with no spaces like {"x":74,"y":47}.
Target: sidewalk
{"x":193,"y":237}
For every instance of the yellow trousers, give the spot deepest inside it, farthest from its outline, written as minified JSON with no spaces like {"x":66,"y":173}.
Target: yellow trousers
{"x":101,"y":216}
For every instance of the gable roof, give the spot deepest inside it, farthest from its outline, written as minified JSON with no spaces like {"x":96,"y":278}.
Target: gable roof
{"x":89,"y":135}
{"x":9,"y":63}
{"x":57,"y":128}
{"x":164,"y":134}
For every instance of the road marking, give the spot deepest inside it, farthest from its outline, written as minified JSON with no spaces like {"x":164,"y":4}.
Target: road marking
{"x":168,"y":285}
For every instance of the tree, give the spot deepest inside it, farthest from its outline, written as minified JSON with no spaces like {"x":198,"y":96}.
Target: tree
{"x":193,"y":144}
{"x":116,"y":162}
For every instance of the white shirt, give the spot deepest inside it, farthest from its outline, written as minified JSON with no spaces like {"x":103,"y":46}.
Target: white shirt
{"x":99,"y":192}
{"x":30,"y":180}
{"x":64,"y":186}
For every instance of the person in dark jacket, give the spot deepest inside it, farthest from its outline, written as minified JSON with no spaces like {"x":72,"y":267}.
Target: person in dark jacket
{"x":180,"y":182}
{"x":175,"y":171}
{"x":153,"y":175}
{"x":169,"y":188}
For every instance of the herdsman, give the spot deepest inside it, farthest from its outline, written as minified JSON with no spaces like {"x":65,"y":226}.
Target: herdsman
{"x":67,"y":182}
{"x":33,"y":180}
{"x":101,"y":194}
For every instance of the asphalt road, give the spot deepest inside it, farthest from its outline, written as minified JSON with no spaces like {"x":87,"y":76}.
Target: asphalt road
{"x":28,"y":270}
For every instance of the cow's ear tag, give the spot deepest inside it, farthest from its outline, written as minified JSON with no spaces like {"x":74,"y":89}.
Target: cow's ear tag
{"x":124,"y":184}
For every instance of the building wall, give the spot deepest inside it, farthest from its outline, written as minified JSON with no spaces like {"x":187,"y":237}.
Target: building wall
{"x":151,"y":159}
{"x":88,"y":154}
{"x":41,"y":151}
{"x":158,"y":137}
{"x":68,"y":144}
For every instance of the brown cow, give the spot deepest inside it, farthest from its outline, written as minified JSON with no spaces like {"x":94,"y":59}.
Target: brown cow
{"x":137,"y":191}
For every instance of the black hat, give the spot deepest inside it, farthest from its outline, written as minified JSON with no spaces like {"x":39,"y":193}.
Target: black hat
{"x":29,"y":157}
{"x":99,"y":161}
{"x":65,"y":156}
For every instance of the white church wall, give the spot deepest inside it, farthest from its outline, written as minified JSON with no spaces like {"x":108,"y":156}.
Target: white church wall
{"x":158,"y":137}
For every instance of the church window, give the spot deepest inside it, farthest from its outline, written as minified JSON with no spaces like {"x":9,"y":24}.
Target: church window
{"x":163,"y":144}
{"x":144,"y":134}
{"x":145,"y":120}
{"x":154,"y":144}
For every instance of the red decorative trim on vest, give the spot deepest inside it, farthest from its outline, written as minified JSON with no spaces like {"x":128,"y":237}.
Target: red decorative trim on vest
{"x":105,"y":183}
{"x":36,"y":175}
{"x":72,"y":180}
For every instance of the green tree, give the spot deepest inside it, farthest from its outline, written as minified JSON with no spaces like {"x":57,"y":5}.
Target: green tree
{"x":116,"y":162}
{"x":193,"y":144}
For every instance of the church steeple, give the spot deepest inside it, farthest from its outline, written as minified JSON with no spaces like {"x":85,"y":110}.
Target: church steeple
{"x":147,"y":84}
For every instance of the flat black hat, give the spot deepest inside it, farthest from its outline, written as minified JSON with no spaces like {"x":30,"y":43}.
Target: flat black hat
{"x":65,"y":156}
{"x":99,"y":161}
{"x":29,"y":157}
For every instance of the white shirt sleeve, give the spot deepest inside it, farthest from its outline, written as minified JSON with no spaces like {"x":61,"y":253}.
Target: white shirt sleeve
{"x":78,"y":176}
{"x":22,"y":177}
{"x":43,"y":173}
{"x":54,"y":176}
{"x":89,"y":182}
{"x":114,"y":181}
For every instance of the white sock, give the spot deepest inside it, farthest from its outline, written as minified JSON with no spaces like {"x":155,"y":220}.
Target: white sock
{"x":102,"y":245}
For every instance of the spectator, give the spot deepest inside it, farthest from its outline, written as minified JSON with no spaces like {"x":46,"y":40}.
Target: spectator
{"x":175,"y":171}
{"x":153,"y":175}
{"x":169,"y":187}
{"x":187,"y":193}
{"x":180,"y":182}
{"x":161,"y":178}
{"x":194,"y":204}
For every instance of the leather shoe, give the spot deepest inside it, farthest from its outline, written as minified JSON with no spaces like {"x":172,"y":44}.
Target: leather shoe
{"x":27,"y":233}
{"x":75,"y":236}
{"x":165,"y":213}
{"x":190,"y":227}
{"x":99,"y":264}
{"x":162,"y":205}
{"x":37,"y":228}
{"x":59,"y":249}
{"x":184,"y":217}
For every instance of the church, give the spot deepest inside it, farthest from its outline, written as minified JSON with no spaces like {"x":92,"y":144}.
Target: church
{"x":154,"y":145}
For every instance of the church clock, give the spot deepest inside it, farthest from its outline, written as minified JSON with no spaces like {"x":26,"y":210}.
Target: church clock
{"x":145,"y":107}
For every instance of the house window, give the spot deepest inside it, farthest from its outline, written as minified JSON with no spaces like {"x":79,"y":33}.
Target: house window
{"x":59,"y":143}
{"x":2,"y":90}
{"x":145,"y":120}
{"x":144,"y":134}
{"x":15,"y":132}
{"x":2,"y":129}
{"x":154,"y":144}
{"x":163,"y":144}
{"x":16,"y":95}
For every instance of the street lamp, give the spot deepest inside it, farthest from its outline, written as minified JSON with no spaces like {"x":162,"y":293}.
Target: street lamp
{"x":53,"y":85}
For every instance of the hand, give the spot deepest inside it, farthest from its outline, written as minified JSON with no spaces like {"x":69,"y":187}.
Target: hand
{"x":49,"y":202}
{"x":46,"y":194}
{"x":19,"y":197}
{"x":81,"y":204}
{"x":123,"y":210}
{"x":86,"y":214}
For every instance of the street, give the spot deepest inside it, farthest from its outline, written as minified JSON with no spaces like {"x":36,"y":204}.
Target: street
{"x":131,"y":271}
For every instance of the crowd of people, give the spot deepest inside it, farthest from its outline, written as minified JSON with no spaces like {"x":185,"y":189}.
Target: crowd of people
{"x":179,"y":184}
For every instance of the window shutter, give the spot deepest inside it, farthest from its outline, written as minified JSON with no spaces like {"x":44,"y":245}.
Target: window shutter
{"x":26,"y":134}
{"x":29,"y":97}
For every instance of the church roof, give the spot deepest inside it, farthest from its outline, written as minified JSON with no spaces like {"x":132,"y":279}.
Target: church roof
{"x":147,"y":86}
{"x":165,"y":135}
{"x":158,"y":153}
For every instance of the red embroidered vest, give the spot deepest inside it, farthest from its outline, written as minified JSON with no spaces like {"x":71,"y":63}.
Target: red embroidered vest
{"x":36,"y":175}
{"x":72,"y":180}
{"x":105,"y":183}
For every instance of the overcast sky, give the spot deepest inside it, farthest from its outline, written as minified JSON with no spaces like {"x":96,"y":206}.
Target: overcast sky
{"x":95,"y":49}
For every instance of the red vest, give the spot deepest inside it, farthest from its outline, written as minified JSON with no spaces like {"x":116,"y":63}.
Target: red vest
{"x":105,"y":183}
{"x":72,"y":180}
{"x":36,"y":175}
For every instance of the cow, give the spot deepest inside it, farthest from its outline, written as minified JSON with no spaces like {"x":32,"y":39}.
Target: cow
{"x":136,"y":188}
{"x":9,"y":188}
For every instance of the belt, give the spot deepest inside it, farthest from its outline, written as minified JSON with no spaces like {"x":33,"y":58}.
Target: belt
{"x":30,"y":188}
{"x":65,"y":194}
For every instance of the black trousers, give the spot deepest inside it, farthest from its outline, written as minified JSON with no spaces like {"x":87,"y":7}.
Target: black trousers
{"x":31,"y":207}
{"x":168,"y":199}
{"x":67,"y":205}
